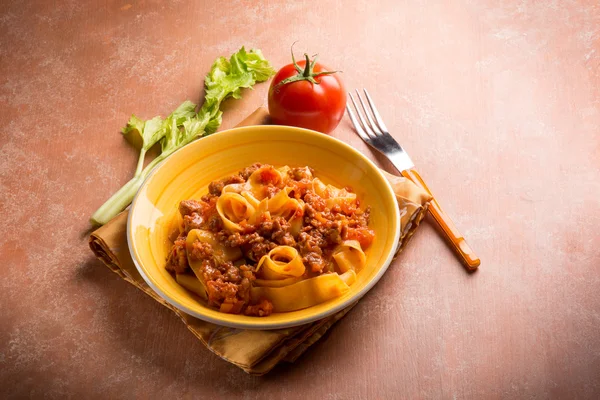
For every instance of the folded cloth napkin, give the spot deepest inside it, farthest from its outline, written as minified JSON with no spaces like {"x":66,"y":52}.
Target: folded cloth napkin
{"x":256,"y":352}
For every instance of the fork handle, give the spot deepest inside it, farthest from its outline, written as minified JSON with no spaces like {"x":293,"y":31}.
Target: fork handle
{"x":456,"y":240}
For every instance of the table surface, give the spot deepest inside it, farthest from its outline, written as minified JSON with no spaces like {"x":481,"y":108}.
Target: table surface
{"x":498,"y":104}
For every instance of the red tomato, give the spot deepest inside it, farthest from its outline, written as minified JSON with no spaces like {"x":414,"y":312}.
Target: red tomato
{"x":307,"y":98}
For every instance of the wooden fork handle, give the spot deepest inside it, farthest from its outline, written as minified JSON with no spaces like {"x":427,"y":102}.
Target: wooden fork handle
{"x":456,"y":240}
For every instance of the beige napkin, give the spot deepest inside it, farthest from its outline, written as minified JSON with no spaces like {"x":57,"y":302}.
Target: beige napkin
{"x":256,"y":352}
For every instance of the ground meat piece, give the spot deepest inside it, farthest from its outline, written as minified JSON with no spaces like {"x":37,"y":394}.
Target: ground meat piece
{"x":232,"y":240}
{"x":222,"y":290}
{"x":230,"y":272}
{"x":248,"y":276}
{"x":253,"y":238}
{"x":218,"y":291}
{"x":244,"y":290}
{"x":201,"y":251}
{"x":301,"y":173}
{"x":235,"y":239}
{"x":215,"y":188}
{"x":330,"y":228}
{"x":311,"y":245}
{"x":273,"y":228}
{"x":246,"y":172}
{"x":257,"y":246}
{"x":311,"y":242}
{"x":314,"y":201}
{"x":315,"y":262}
{"x":247,"y":271}
{"x":359,"y":218}
{"x":265,"y":228}
{"x":329,"y":224}
{"x":193,"y":221}
{"x":336,"y":209}
{"x":258,"y":250}
{"x":207,"y":198}
{"x":177,"y":261}
{"x":210,"y":272}
{"x":286,"y":240}
{"x":215,"y":223}
{"x":262,"y":309}
{"x":228,"y":286}
{"x":298,"y":190}
{"x":270,"y":190}
{"x":366,"y":215}
{"x":188,"y":207}
{"x":234,"y":179}
{"x":333,"y":234}
{"x":174,"y":234}
{"x":281,"y":232}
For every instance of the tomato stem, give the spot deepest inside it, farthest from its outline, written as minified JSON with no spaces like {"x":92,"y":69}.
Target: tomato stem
{"x":304,"y":75}
{"x":294,"y":59}
{"x":307,"y":67}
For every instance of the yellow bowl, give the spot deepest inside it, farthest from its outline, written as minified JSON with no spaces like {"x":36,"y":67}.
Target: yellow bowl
{"x":187,"y":173}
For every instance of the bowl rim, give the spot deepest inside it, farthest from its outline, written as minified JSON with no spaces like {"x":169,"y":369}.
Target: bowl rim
{"x":266,"y":325}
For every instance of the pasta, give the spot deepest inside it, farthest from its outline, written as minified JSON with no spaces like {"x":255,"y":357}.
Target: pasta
{"x":233,"y":209}
{"x":270,"y":240}
{"x":281,"y":263}
{"x":305,"y":293}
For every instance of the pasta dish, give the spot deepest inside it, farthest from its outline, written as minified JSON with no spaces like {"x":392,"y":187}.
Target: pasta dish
{"x":270,"y":240}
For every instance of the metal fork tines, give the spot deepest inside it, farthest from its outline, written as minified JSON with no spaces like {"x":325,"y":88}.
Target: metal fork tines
{"x":373,"y":132}
{"x":371,"y":129}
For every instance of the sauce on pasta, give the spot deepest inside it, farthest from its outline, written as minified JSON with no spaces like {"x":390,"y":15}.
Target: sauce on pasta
{"x":270,"y":240}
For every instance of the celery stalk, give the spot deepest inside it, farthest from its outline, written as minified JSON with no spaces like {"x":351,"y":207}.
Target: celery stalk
{"x":225,"y":79}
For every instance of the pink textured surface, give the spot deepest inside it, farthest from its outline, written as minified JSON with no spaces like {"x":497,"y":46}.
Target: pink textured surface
{"x":498,"y":103}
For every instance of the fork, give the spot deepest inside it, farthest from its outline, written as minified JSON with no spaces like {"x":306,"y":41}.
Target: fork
{"x":373,"y":132}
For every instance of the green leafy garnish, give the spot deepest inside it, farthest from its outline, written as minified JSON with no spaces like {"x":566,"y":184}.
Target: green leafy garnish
{"x":226,"y":79}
